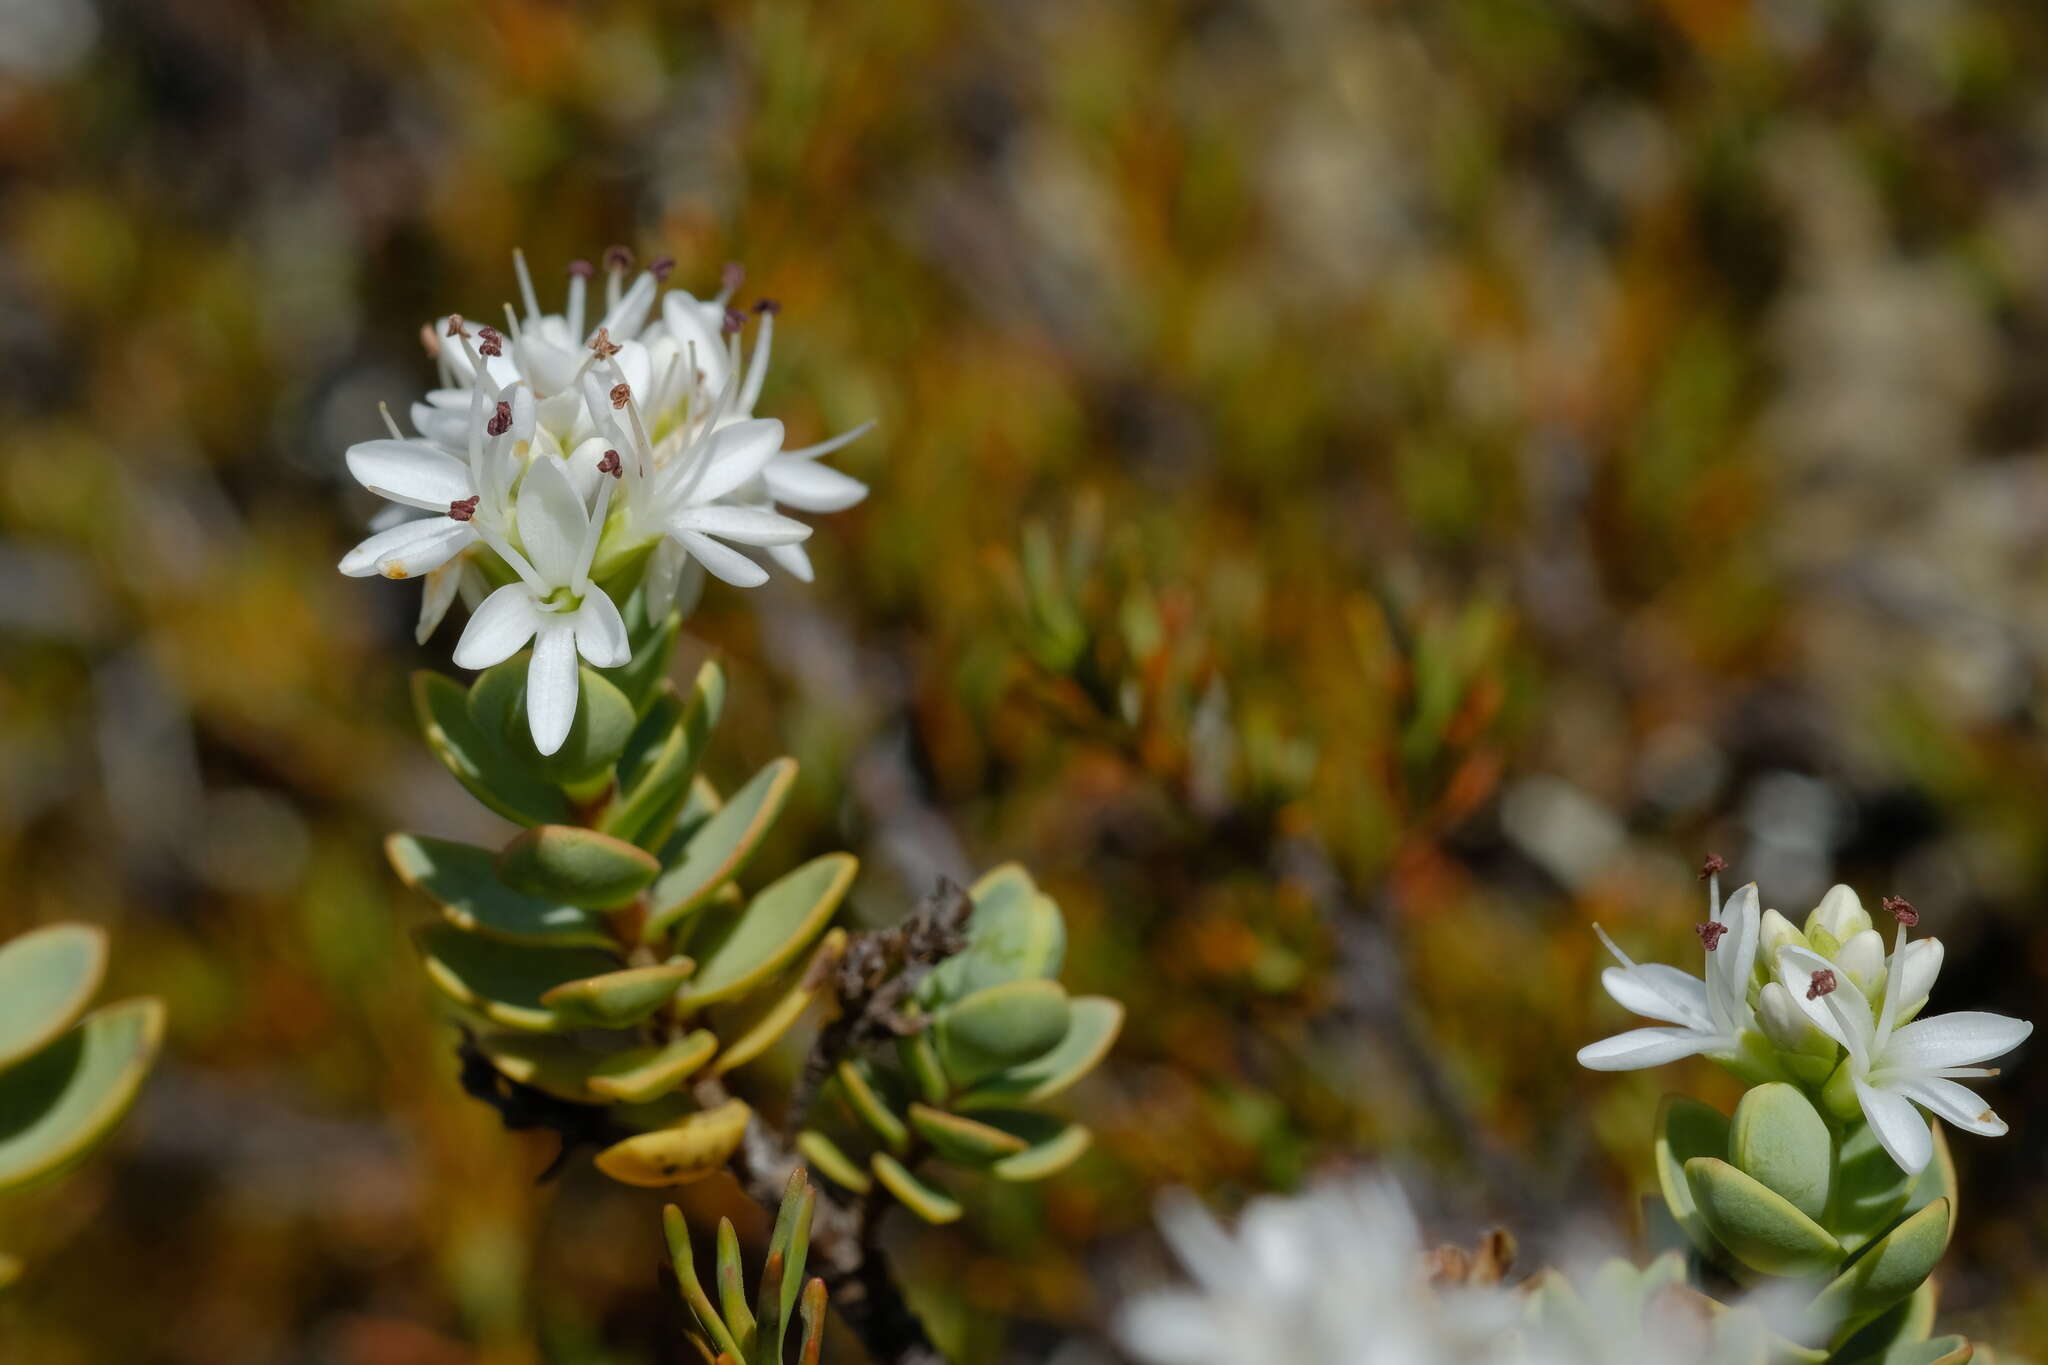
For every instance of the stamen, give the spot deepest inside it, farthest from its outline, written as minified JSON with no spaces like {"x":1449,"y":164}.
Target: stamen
{"x":582,"y":270}
{"x":661,"y":267}
{"x":618,"y":258}
{"x":734,"y":320}
{"x":603,"y":346}
{"x":610,"y":464}
{"x":1713,"y":866}
{"x":390,"y":423}
{"x":462,"y":509}
{"x":1902,"y":910}
{"x":1823,"y":983}
{"x":1710,"y":933}
{"x":490,"y":341}
{"x":455,"y":327}
{"x":767,"y":306}
{"x":731,"y":276}
{"x":621,"y":395}
{"x":501,"y":420}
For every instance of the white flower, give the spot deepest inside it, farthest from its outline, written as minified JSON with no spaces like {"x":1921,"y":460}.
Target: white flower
{"x":1894,"y":1065}
{"x":1705,"y":1016}
{"x":1333,"y":1276}
{"x":554,"y":603}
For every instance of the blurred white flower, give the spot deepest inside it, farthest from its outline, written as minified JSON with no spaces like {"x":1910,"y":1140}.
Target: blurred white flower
{"x":1332,"y":1276}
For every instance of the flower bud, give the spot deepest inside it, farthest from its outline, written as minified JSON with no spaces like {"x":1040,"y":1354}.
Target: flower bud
{"x":1774,"y":932}
{"x":1921,"y":964}
{"x":1787,"y":1026}
{"x":1840,"y":915}
{"x":1861,"y":958}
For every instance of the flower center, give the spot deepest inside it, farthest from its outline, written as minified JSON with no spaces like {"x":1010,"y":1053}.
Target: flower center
{"x":1823,"y":983}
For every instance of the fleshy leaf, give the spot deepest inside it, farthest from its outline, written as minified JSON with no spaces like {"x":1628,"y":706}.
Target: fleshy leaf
{"x":739,"y":948}
{"x":1687,"y":1129}
{"x":961,"y":1139}
{"x":998,"y":1028}
{"x":504,"y":982}
{"x":921,"y":1199}
{"x":1872,"y":1190}
{"x":47,"y":978}
{"x":692,"y":1148}
{"x":1894,"y":1266}
{"x":755,"y":1027}
{"x":655,"y":791}
{"x":829,"y":1161}
{"x":719,"y":849}
{"x":1760,"y":1227}
{"x":640,"y":675}
{"x":1015,"y":933}
{"x":864,"y":1087}
{"x":618,"y":999}
{"x":1779,"y":1139}
{"x":462,"y":880}
{"x":1903,"y":1326}
{"x":645,"y":1073}
{"x":58,"y":1104}
{"x":1053,"y":1144}
{"x":1092,"y":1027}
{"x":481,"y":763}
{"x":576,"y":866}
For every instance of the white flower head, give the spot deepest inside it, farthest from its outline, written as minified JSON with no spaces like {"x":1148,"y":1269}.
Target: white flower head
{"x":1703,"y":1016}
{"x":1896,"y":1062}
{"x":1332,"y":1276}
{"x":554,"y":603}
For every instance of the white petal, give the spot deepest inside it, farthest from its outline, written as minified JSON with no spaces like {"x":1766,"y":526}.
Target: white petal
{"x":746,"y":525}
{"x":411,"y":472}
{"x":1952,"y":1103}
{"x":441,"y":587}
{"x":1960,"y":1039}
{"x":1847,"y":1020}
{"x":1733,"y":960}
{"x":696,"y":331}
{"x":1660,"y":992}
{"x":409,"y":549}
{"x":551,"y":684}
{"x":499,"y":628}
{"x":1840,"y":913}
{"x":1899,"y":1127}
{"x":722,"y":561}
{"x":664,"y":571}
{"x":551,"y":520}
{"x":1862,"y":957}
{"x":601,"y":631}
{"x":736,"y":454}
{"x":810,"y":486}
{"x":1923,"y":965}
{"x":794,"y":559}
{"x":1643,"y":1047}
{"x":582,"y":466}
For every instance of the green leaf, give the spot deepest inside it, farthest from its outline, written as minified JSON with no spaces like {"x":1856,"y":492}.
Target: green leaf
{"x":502,"y":981}
{"x":479,"y":762}
{"x":863,"y":1087}
{"x":639,"y":676}
{"x":1779,"y":1139}
{"x":963,"y":1140}
{"x":760,"y":1020}
{"x":692,"y":1148}
{"x":1758,"y":1226}
{"x":570,"y":1068}
{"x":921,"y":1199}
{"x":678,"y":1234}
{"x":645,"y":1073}
{"x":1052,"y":1145}
{"x":656,"y":791}
{"x":829,"y":1161}
{"x":732,"y":1289}
{"x":1894,"y":1266}
{"x":921,"y":1064}
{"x":719,"y":849}
{"x":1687,"y":1129}
{"x":618,"y":999}
{"x":1937,"y":1179}
{"x":1000,"y":1027}
{"x":603,"y":723}
{"x":463,"y":881}
{"x":576,"y":866}
{"x":59,"y":1103}
{"x":1904,"y":1326}
{"x":1014,"y":934}
{"x":737,"y":949}
{"x":1871,"y":1190}
{"x":47,"y":978}
{"x":1093,"y":1024}
{"x":1948,"y":1350}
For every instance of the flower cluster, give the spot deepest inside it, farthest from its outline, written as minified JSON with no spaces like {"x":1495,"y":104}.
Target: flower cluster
{"x":1824,"y":1007}
{"x":577,"y":457}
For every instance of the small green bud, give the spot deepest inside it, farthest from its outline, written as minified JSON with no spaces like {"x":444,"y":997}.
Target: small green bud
{"x":1774,"y":932}
{"x":1787,"y":1026}
{"x":1861,"y":956}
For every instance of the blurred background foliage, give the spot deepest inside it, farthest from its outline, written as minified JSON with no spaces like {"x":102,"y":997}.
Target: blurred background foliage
{"x":1362,"y":490}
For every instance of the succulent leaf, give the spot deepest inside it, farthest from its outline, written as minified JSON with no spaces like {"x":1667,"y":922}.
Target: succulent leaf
{"x":479,"y":761}
{"x":641,"y":675}
{"x":1907,"y":1323}
{"x":502,"y":981}
{"x":462,"y":880}
{"x":47,"y":978}
{"x":1054,"y":1145}
{"x":59,"y":1103}
{"x":921,"y":1063}
{"x":921,"y":1199}
{"x":829,"y":1160}
{"x":1687,"y":1129}
{"x":1893,"y":1267}
{"x":1760,"y":1227}
{"x":716,"y":852}
{"x":604,"y":722}
{"x":964,"y":1140}
{"x":695,"y":1146}
{"x":1015,"y":933}
{"x":684,"y":1260}
{"x":1779,"y":1139}
{"x":761,"y":1020}
{"x":737,"y":949}
{"x":1000,"y":1027}
{"x":1093,"y":1024}
{"x":576,"y":866}
{"x":618,"y":999}
{"x":656,"y":790}
{"x":645,"y":1073}
{"x":862,"y":1085}
{"x":1871,"y":1191}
